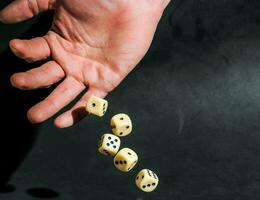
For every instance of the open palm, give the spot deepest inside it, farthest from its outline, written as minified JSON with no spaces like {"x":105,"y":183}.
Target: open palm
{"x":93,"y":45}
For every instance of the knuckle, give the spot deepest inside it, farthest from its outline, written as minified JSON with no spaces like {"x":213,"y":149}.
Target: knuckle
{"x":33,"y":7}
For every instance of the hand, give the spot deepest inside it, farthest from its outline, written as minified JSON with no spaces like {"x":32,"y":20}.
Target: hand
{"x":93,"y":45}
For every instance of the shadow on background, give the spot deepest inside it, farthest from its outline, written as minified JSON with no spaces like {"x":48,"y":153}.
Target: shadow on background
{"x":43,"y":193}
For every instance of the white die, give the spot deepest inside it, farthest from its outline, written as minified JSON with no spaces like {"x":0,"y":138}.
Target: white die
{"x":96,"y":106}
{"x":146,"y":180}
{"x":121,"y":124}
{"x":109,"y":144}
{"x":125,"y":159}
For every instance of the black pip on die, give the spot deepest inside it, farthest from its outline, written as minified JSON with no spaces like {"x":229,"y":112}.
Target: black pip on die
{"x":125,"y":159}
{"x":109,"y":144}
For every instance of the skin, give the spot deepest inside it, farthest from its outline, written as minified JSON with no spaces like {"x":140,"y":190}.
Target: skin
{"x":92,"y":46}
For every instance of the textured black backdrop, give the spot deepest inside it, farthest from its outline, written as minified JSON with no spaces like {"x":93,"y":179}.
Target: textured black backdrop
{"x":194,"y":101}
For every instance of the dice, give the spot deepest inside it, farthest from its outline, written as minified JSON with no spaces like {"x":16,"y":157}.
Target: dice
{"x":96,"y":106}
{"x":121,"y":124}
{"x":125,"y":159}
{"x":109,"y":144}
{"x":146,"y":180}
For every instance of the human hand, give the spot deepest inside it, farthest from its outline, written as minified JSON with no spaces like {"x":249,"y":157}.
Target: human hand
{"x":93,"y":45}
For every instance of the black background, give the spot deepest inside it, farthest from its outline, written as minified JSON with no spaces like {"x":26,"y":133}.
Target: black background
{"x":195,"y":105}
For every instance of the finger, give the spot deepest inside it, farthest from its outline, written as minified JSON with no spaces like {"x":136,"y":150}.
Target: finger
{"x":78,"y":111}
{"x":41,"y":77}
{"x":20,"y":10}
{"x":31,"y":50}
{"x":68,"y":90}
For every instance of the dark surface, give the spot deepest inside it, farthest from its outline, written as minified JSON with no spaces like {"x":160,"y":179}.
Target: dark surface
{"x":9,"y":32}
{"x":195,"y":104}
